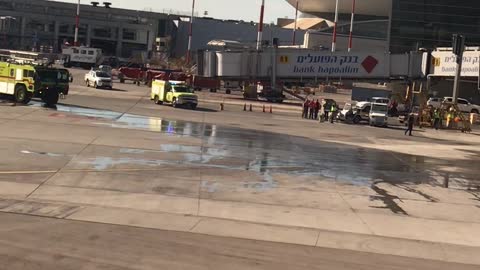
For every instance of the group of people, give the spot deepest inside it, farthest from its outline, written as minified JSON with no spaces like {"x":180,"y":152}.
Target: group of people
{"x":311,"y":108}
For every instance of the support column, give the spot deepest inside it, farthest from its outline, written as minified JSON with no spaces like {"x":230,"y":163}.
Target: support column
{"x":56,"y":33}
{"x":23,"y":27}
{"x":88,"y":38}
{"x":150,"y":40}
{"x":119,"y":42}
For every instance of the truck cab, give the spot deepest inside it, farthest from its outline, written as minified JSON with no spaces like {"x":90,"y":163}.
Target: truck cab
{"x":177,"y":93}
{"x":50,"y":83}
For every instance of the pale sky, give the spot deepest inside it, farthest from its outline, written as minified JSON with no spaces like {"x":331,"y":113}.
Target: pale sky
{"x":248,"y":10}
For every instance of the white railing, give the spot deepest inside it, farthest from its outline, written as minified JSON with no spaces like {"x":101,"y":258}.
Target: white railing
{"x":171,"y":11}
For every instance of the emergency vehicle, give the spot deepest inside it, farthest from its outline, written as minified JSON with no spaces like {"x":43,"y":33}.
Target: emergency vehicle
{"x":177,"y":93}
{"x":18,"y":81}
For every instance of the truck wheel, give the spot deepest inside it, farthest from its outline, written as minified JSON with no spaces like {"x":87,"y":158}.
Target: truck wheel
{"x":174,"y":103}
{"x":51,"y":98}
{"x":228,"y":91}
{"x":95,"y":85}
{"x":193,"y":106}
{"x":357,"y":119}
{"x":122,"y":80}
{"x":22,"y":95}
{"x":157,"y":100}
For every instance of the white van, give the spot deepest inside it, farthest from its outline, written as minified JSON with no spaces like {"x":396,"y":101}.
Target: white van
{"x":379,"y":114}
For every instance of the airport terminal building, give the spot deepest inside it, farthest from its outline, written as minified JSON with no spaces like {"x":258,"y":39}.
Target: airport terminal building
{"x":29,"y":24}
{"x":403,"y":25}
{"x":42,"y":25}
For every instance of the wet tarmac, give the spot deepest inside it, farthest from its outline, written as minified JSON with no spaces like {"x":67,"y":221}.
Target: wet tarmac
{"x":269,"y":154}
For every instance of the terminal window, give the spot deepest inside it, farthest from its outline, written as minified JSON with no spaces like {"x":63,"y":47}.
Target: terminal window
{"x":129,"y":34}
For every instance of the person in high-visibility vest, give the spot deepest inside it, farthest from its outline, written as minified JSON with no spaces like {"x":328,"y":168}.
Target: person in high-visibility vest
{"x":450,"y":117}
{"x":436,"y":119}
{"x":333,"y":110}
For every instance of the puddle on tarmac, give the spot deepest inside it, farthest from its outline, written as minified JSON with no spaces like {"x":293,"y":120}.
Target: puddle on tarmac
{"x":264,"y":153}
{"x":104,"y":163}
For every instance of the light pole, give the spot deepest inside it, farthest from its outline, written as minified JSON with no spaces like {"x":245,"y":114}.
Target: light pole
{"x":295,"y":25}
{"x":458,"y":44}
{"x":190,"y":34}
{"x":77,"y":24}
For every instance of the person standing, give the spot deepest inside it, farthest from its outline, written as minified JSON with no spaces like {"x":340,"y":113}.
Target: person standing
{"x":436,"y":119}
{"x":326,"y":109}
{"x":312,"y":109}
{"x":333,"y":110}
{"x":411,"y":121}
{"x":305,"y":108}
{"x":317,"y":109}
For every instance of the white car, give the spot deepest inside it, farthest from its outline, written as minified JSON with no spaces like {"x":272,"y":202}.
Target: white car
{"x":464,"y":105}
{"x":98,"y":79}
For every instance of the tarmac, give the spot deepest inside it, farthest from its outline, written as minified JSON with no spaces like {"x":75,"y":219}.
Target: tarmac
{"x":115,"y":158}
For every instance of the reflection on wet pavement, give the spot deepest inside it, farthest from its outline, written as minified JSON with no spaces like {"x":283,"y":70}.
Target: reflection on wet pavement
{"x":268,"y":154}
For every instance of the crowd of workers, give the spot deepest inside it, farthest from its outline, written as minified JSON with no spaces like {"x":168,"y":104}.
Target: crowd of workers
{"x":326,"y":111}
{"x":316,"y":110}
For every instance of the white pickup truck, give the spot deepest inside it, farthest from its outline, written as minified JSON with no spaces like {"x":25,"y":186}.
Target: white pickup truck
{"x":464,"y":105}
{"x":98,"y":79}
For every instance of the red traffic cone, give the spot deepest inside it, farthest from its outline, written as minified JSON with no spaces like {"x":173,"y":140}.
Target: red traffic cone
{"x":271,"y":109}
{"x":263,"y":107}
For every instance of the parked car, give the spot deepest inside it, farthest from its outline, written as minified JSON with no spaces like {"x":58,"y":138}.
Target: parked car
{"x":98,"y":79}
{"x":464,"y":105}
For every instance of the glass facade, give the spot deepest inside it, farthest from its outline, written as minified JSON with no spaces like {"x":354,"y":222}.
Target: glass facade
{"x":431,"y":23}
{"x":415,"y":23}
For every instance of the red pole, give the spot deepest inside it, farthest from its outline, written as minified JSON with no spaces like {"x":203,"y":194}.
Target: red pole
{"x":190,"y":33}
{"x":350,"y":39}
{"x":334,"y":41}
{"x":77,"y":24}
{"x":260,"y":26}
{"x":295,"y":25}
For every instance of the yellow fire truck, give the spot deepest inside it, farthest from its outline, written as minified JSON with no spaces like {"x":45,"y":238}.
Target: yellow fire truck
{"x":17,"y":81}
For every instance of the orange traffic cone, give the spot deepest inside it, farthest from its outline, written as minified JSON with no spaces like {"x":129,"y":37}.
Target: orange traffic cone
{"x":263,"y":107}
{"x":271,"y":109}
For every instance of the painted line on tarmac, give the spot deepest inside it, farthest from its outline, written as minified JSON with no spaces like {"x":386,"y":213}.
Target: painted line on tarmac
{"x":26,"y":172}
{"x":115,"y":170}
